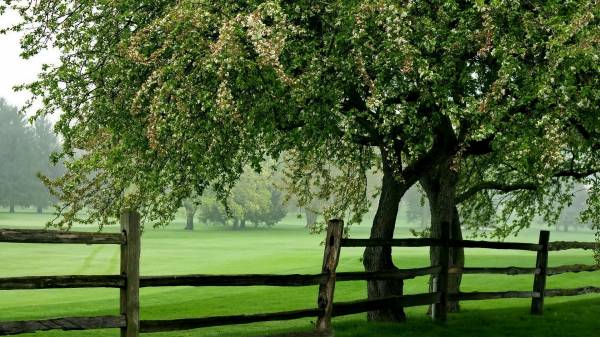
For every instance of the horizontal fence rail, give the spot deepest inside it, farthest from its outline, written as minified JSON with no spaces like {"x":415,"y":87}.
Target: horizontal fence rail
{"x":294,"y":280}
{"x":360,"y":306}
{"x":575,"y":268}
{"x":566,"y":245}
{"x":47,"y":236}
{"x":400,"y":274}
{"x":195,"y":323}
{"x":393,"y":242}
{"x":291,"y":280}
{"x":551,"y":271}
{"x":435,"y":242}
{"x":572,"y":291}
{"x":54,"y":282}
{"x":495,"y":245}
{"x":491,"y":295}
{"x":495,"y":270}
{"x":67,"y":323}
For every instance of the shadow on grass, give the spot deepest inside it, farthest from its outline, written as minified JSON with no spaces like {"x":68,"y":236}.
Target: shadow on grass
{"x":579,"y":318}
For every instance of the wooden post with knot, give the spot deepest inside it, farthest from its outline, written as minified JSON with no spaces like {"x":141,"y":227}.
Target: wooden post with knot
{"x":335,"y":230}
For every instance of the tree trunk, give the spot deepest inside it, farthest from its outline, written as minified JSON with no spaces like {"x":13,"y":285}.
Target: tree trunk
{"x":243,"y":224}
{"x":190,"y":212}
{"x":11,"y":208}
{"x":236,"y":223}
{"x":457,"y":259}
{"x":380,"y":258}
{"x":189,"y":223}
{"x":440,"y":187}
{"x":40,"y":210}
{"x":311,"y":218}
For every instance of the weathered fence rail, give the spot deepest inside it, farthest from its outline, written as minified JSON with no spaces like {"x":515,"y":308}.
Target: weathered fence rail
{"x":53,"y":282}
{"x":294,"y":280}
{"x":66,"y":323}
{"x":129,"y":281}
{"x":195,"y":323}
{"x":438,"y":242}
{"x":356,"y":307}
{"x":565,"y":245}
{"x":48,"y":236}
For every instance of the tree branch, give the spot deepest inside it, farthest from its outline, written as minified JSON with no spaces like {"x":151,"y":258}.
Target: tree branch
{"x":480,"y":147}
{"x":493,"y":185}
{"x":528,"y":186}
{"x":586,"y":134}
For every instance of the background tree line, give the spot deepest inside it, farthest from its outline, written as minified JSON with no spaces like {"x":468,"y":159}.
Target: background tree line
{"x":25,"y":151}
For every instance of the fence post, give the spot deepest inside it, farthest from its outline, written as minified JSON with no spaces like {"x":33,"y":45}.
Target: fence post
{"x":539,"y":282}
{"x":130,"y":270}
{"x":335,"y":229}
{"x":440,"y":310}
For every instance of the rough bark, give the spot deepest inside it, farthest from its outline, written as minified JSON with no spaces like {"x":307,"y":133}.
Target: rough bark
{"x":380,"y":258}
{"x":440,"y":187}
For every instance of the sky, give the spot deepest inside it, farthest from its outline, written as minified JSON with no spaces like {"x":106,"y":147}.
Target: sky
{"x":13,"y":69}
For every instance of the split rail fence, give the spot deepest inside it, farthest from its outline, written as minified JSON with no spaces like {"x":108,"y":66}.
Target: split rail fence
{"x":129,"y":281}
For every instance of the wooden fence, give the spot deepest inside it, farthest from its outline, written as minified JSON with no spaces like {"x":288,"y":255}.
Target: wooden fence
{"x":129,"y":281}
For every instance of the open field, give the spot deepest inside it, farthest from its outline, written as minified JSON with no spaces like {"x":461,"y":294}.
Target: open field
{"x":286,"y":248}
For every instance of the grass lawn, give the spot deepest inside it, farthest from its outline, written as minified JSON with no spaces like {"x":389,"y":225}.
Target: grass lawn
{"x":284,"y":249}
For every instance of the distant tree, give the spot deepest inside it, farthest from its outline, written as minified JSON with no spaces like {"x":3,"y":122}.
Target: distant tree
{"x":45,"y":143}
{"x":276,"y":210}
{"x":190,"y":211}
{"x":25,"y":153}
{"x":311,"y":217}
{"x":211,"y":210}
{"x":16,"y":172}
{"x":570,"y":216}
{"x":253,"y":199}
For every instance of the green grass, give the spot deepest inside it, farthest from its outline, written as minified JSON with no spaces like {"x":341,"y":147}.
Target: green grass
{"x":283,"y":249}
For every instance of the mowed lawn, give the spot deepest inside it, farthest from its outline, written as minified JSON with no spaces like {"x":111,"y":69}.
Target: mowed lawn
{"x":284,"y":249}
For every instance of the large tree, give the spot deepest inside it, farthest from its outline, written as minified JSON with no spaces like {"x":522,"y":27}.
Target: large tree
{"x":166,"y":98}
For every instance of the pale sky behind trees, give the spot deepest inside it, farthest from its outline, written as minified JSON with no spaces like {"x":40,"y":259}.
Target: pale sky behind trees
{"x":13,"y":69}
